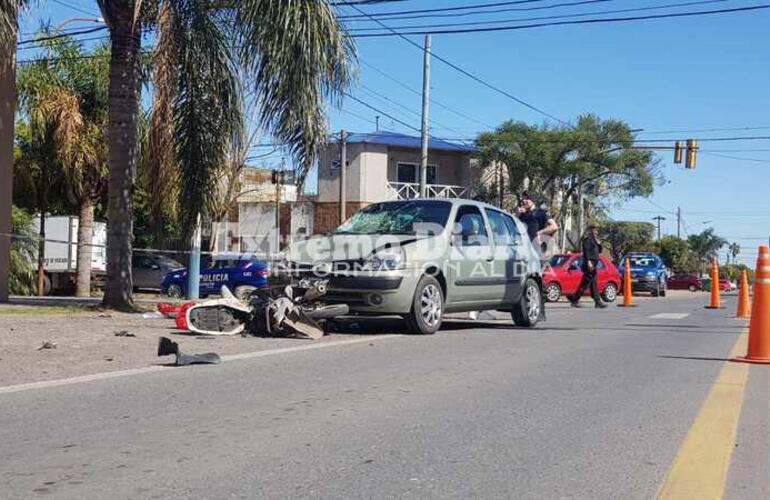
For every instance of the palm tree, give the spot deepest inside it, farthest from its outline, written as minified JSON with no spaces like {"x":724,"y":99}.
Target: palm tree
{"x":296,"y":54}
{"x":705,"y":246}
{"x":65,"y":95}
{"x":734,"y":249}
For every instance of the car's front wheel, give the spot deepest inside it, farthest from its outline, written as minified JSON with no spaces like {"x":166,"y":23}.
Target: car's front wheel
{"x":552,"y":292}
{"x":610,"y":292}
{"x":427,"y":307}
{"x":175,"y":291}
{"x":527,"y":311}
{"x":692,"y":288}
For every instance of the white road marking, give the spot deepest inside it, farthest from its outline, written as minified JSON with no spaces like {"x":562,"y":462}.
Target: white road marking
{"x":670,"y":315}
{"x":151,"y":369}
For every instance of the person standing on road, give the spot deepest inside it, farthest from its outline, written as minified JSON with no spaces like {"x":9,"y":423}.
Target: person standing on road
{"x":539,"y":222}
{"x":591,"y":250}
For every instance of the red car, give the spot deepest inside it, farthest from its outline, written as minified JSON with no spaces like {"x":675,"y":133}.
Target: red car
{"x":685,"y":282}
{"x":562,"y":277}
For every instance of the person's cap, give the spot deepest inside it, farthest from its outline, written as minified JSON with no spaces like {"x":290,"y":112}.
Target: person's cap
{"x":525,"y":195}
{"x":592,"y":226}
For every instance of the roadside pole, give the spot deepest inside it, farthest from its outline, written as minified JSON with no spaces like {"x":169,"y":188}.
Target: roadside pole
{"x":659,"y":218}
{"x":194,"y":266}
{"x":278,"y":185}
{"x":343,"y":173}
{"x":679,"y":222}
{"x":7,"y":104}
{"x":425,"y":117}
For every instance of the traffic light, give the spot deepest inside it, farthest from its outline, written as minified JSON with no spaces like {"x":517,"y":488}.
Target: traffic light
{"x":678,"y":152}
{"x":692,"y":154}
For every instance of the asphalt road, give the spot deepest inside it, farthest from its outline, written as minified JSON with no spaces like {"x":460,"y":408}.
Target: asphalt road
{"x":591,"y":404}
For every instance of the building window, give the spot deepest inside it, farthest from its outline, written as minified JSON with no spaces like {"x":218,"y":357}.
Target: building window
{"x":408,"y":172}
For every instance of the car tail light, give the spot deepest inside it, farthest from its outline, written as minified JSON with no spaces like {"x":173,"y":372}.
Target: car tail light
{"x":181,"y":316}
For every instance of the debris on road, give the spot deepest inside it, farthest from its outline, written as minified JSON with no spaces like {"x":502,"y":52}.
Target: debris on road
{"x":167,"y":347}
{"x":124,"y":333}
{"x":153,"y":315}
{"x":47,"y":345}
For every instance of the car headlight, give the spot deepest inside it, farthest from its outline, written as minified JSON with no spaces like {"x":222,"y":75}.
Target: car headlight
{"x":385,"y":260}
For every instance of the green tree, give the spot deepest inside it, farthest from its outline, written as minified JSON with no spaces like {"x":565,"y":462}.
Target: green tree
{"x":705,"y":247}
{"x":594,"y":161}
{"x":22,"y":272}
{"x":675,"y":253}
{"x":65,"y":94}
{"x":623,"y":237}
{"x":734,"y":249}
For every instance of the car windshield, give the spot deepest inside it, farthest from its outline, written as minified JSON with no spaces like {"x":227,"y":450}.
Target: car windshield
{"x":642,"y":261}
{"x":402,"y":217}
{"x":558,"y":260}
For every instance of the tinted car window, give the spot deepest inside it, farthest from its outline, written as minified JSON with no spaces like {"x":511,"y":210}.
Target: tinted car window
{"x":470,"y":226}
{"x":501,"y":233}
{"x":558,"y":260}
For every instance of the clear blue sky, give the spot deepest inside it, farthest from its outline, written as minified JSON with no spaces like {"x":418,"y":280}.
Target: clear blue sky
{"x":673,"y":74}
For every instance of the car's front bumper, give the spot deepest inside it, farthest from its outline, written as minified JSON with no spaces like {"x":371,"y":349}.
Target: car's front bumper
{"x":644,"y":284}
{"x":384,"y":292}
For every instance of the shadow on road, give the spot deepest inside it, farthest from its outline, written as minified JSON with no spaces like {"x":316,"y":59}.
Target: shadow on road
{"x":695,"y":358}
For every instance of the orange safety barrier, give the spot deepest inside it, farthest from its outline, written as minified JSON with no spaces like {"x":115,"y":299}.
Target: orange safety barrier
{"x":744,"y":303}
{"x":715,"y":302}
{"x":759,"y":326}
{"x":628,"y":290}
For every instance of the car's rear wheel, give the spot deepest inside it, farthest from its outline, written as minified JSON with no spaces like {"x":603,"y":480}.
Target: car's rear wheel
{"x":175,"y":291}
{"x":610,"y":292}
{"x":692,"y":288}
{"x":427,"y":307}
{"x":552,"y":292}
{"x":527,"y":311}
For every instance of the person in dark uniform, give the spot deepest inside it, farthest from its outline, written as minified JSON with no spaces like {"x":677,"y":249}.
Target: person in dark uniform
{"x":591,"y":251}
{"x":539,"y":222}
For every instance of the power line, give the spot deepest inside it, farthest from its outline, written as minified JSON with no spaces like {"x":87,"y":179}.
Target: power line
{"x":442,"y":9}
{"x":364,"y":2}
{"x":467,"y":73}
{"x":418,"y":93}
{"x":366,"y":104}
{"x":729,"y":157}
{"x":74,"y":7}
{"x":60,"y":35}
{"x":541,"y":18}
{"x":697,"y":130}
{"x":611,"y":20}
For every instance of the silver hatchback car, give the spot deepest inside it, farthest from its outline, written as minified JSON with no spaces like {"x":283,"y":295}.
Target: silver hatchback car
{"x":422,"y":258}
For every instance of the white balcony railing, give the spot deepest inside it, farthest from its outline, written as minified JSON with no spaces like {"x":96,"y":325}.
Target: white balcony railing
{"x":408,"y":190}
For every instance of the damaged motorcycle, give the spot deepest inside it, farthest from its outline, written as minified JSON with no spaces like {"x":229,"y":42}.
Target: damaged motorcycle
{"x":290,"y":311}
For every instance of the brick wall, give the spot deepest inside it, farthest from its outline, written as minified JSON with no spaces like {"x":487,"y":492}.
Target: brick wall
{"x":327,"y":214}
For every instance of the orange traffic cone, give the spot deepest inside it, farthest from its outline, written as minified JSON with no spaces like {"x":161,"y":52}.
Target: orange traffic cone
{"x":759,"y":326}
{"x":744,"y":304}
{"x":716,"y":302}
{"x":628,"y":290}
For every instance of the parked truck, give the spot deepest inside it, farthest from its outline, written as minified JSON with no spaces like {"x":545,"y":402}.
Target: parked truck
{"x":61,"y":252}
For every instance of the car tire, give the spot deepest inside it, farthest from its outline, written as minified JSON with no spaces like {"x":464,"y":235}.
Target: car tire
{"x":610,"y":292}
{"x":175,"y":291}
{"x":552,"y":292}
{"x":692,"y":288}
{"x":243,"y":292}
{"x":527,"y":311}
{"x":427,"y":307}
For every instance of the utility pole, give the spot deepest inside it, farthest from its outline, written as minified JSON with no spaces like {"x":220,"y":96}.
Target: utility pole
{"x":343,"y":173}
{"x":194,"y":267}
{"x":7,"y":104}
{"x":425,"y":117}
{"x":679,"y":222}
{"x":278,"y":185}
{"x":659,"y":218}
{"x":377,"y":123}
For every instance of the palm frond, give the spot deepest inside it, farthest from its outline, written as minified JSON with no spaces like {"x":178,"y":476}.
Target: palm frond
{"x":207,"y":106}
{"x":162,"y":166}
{"x":298,"y":54}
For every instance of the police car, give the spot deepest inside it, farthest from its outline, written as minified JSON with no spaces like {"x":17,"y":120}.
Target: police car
{"x":241,"y":274}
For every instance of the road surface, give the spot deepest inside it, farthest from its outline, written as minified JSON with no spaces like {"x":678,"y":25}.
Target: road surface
{"x":619,"y":403}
